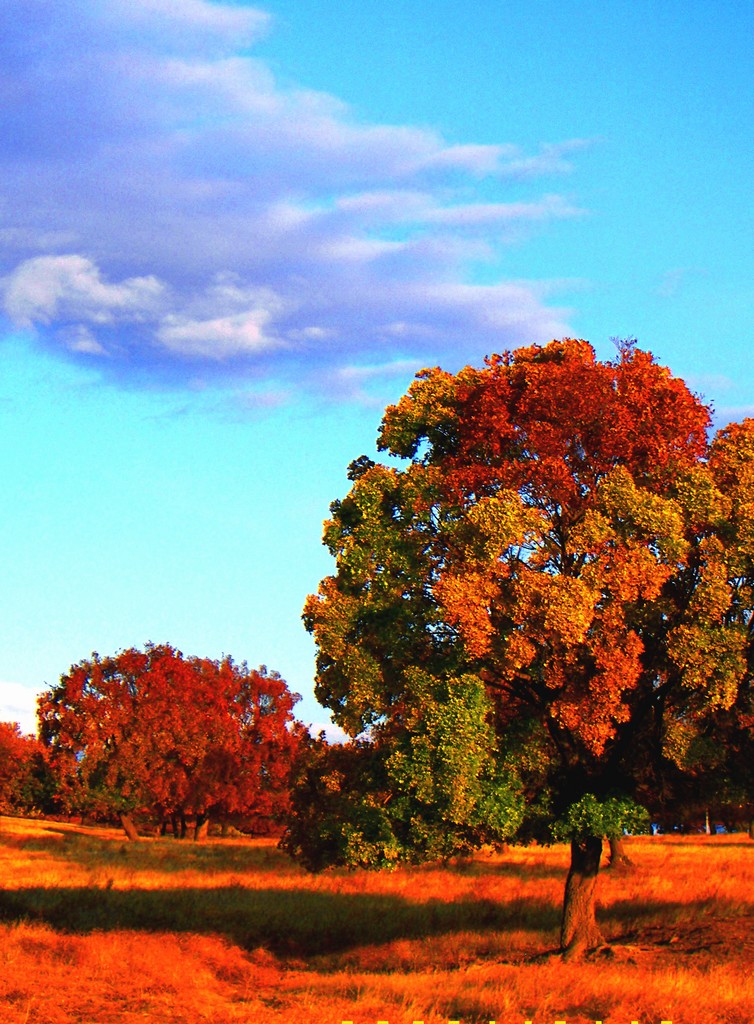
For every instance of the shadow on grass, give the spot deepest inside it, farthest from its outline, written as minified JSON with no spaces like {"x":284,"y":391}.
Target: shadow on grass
{"x":287,"y":922}
{"x":636,"y":913}
{"x":170,"y":855}
{"x":526,"y":872}
{"x":162,"y":855}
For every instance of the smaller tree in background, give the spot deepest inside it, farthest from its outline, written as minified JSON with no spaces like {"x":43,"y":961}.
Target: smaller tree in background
{"x":154,"y":731}
{"x":24,"y":780}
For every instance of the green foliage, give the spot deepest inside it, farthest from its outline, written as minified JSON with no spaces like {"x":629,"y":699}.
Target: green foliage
{"x":687,"y":747}
{"x":444,"y":770}
{"x":337,"y":816}
{"x":432,"y":789}
{"x":612,"y":817}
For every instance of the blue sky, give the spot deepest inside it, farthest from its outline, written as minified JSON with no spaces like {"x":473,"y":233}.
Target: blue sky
{"x":230,"y":234}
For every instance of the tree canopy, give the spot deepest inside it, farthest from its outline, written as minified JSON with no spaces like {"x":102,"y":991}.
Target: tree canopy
{"x":550,"y":601}
{"x":24,"y":782}
{"x":155,"y":731}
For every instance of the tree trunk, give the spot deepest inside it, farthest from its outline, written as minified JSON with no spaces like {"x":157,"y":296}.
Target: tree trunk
{"x":579,"y":932}
{"x":751,"y":828}
{"x":201,"y":830}
{"x":618,"y":856}
{"x":129,"y":828}
{"x":178,"y":820}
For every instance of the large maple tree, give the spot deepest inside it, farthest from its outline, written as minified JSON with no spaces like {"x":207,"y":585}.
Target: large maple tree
{"x":532,"y":618}
{"x":155,"y":731}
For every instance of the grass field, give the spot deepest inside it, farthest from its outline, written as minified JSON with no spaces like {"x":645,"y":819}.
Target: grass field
{"x":96,"y":930}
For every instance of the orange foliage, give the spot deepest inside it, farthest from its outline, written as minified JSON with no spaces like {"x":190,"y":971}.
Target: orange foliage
{"x":593,"y":450}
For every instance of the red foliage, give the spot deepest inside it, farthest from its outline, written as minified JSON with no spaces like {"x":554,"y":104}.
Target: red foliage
{"x":554,"y":421}
{"x":154,"y":730}
{"x":20,"y":755}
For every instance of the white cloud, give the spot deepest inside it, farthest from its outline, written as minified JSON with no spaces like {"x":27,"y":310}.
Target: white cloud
{"x":312,"y":333}
{"x":218,"y":338}
{"x":478,"y":159}
{"x":353,"y":382}
{"x":69,"y":287}
{"x":184,"y":23}
{"x":18,"y":703}
{"x":358,"y":250}
{"x":546,"y":208}
{"x":551,"y":159}
{"x":191,"y":209}
{"x":80,"y":339}
{"x":231,"y":21}
{"x":333,"y":733}
{"x":508,"y":160}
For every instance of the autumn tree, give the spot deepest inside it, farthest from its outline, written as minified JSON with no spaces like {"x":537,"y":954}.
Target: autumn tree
{"x":550,"y":571}
{"x":722,"y":752}
{"x":24,"y":779}
{"x":154,"y":731}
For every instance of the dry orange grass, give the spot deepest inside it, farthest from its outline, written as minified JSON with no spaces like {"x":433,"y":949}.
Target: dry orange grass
{"x":94,"y":930}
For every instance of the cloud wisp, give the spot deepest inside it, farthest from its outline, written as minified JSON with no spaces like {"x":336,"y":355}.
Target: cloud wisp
{"x":170,"y":212}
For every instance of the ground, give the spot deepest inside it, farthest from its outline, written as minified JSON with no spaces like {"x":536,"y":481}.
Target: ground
{"x":96,"y":930}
